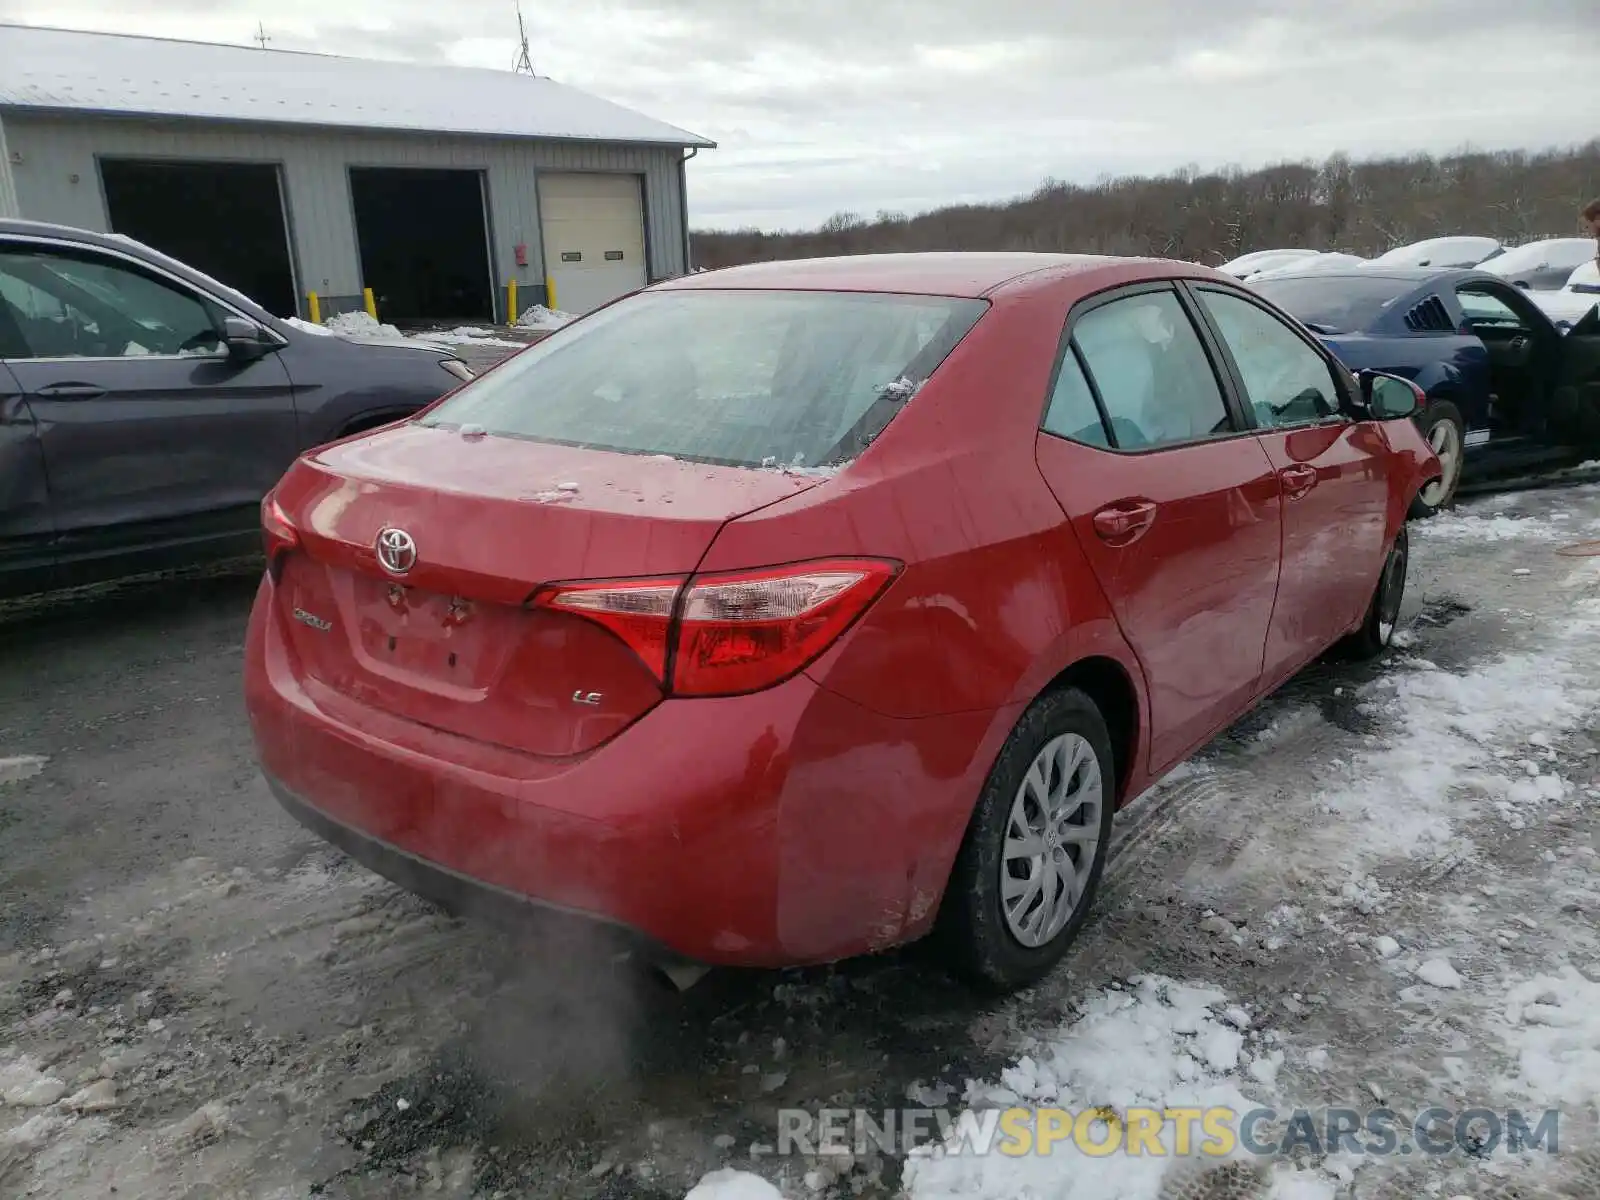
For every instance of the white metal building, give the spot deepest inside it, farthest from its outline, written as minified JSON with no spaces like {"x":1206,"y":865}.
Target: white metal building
{"x":286,"y":174}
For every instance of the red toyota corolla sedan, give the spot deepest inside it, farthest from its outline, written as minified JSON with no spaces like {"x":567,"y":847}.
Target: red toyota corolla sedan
{"x":789,"y":612}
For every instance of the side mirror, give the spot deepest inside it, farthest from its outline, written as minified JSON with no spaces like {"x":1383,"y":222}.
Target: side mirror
{"x":1390,"y":397}
{"x":245,"y":340}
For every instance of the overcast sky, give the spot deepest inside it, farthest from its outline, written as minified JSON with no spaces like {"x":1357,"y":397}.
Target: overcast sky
{"x":827,"y":105}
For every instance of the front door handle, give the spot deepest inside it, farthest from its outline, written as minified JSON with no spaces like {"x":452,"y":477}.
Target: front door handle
{"x":71,"y":391}
{"x":1124,"y":522}
{"x":1298,"y":480}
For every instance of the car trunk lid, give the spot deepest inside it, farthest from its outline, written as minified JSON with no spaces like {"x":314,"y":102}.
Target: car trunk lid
{"x":449,"y":641}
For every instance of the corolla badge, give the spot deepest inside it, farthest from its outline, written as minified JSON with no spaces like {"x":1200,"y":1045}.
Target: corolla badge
{"x":320,"y":624}
{"x":397,"y":550}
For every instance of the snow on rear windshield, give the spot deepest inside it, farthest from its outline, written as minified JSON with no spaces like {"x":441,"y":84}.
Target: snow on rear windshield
{"x":797,"y":379}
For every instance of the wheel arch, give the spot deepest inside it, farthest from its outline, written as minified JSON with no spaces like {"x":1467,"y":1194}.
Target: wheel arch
{"x":1443,"y":405}
{"x":1445,"y":381}
{"x":373,"y":418}
{"x":1110,"y":685}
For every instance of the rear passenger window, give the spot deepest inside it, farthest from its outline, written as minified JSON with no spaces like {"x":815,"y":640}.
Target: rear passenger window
{"x":1152,"y":372}
{"x":1073,"y":412}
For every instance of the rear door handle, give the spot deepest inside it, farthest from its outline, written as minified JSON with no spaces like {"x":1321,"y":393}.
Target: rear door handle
{"x":71,"y":391}
{"x":1298,"y":480}
{"x":1124,"y":522}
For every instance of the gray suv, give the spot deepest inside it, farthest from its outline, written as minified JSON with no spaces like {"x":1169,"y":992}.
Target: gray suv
{"x":146,"y":409}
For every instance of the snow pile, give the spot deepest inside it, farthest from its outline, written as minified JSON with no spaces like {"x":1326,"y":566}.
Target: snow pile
{"x":733,"y":1185}
{"x":540,"y":317}
{"x":826,"y":471}
{"x":24,"y":1084}
{"x":360,"y":324}
{"x":1439,"y":973}
{"x":472,"y":335}
{"x":1160,"y":1045}
{"x":1470,"y":527}
{"x":308,"y":327}
{"x":21,"y":766}
{"x":902,"y":389}
{"x":1554,"y":1030}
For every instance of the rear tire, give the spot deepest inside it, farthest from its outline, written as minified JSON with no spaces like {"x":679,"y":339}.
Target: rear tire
{"x":1441,"y":425}
{"x":1030,"y":865}
{"x":1383,"y":613}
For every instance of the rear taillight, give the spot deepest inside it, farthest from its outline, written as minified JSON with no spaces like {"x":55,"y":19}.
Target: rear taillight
{"x":639,"y":612}
{"x":278,"y":535}
{"x":734,"y":632}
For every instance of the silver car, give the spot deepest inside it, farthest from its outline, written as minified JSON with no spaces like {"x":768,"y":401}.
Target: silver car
{"x":1544,"y":265}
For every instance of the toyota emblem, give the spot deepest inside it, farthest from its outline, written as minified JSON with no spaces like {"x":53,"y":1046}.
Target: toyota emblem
{"x":397,"y":551}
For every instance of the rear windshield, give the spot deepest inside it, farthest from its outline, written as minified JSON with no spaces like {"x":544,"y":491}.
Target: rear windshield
{"x":1332,"y":303}
{"x":791,"y":379}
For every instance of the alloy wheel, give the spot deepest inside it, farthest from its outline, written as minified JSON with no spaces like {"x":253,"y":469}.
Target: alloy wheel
{"x":1051,"y":838}
{"x":1445,"y":439}
{"x":1392,"y":590}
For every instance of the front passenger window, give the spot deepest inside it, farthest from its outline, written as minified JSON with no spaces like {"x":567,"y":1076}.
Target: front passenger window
{"x":1152,"y":372}
{"x":1286,"y":381}
{"x":82,"y":306}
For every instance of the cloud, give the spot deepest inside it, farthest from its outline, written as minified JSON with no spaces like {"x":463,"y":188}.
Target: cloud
{"x":906,"y":104}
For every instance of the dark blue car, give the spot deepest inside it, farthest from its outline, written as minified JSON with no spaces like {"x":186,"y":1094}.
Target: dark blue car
{"x":1507,"y":390}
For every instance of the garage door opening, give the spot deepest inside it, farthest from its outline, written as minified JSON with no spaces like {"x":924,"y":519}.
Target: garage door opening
{"x":226,"y":219}
{"x":424,"y":242}
{"x":593,"y":237}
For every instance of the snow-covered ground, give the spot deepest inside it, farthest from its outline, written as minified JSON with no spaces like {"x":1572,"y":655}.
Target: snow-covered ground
{"x":1378,"y":891}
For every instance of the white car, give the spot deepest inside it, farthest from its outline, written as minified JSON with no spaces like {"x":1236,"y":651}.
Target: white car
{"x":1332,"y":261}
{"x":1569,"y":305}
{"x":1544,"y":265}
{"x":1247,"y":265}
{"x":1440,"y":252}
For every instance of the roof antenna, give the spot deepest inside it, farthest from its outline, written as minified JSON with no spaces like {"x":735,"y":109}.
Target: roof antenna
{"x":524,"y":61}
{"x":261,"y":35}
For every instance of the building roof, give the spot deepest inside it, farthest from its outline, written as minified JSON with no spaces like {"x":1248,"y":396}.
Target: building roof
{"x":72,"y":71}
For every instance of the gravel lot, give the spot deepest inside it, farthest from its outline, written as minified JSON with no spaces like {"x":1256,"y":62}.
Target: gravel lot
{"x":198,"y":999}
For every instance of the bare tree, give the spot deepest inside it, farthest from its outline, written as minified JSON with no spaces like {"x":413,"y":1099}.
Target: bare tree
{"x":1358,"y":207}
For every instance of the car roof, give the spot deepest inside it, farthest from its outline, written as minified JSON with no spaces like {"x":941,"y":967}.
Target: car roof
{"x":15,"y":226}
{"x":957,"y":273}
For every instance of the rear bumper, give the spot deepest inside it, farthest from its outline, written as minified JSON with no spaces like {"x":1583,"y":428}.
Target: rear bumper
{"x":462,"y":895}
{"x":787,"y":827}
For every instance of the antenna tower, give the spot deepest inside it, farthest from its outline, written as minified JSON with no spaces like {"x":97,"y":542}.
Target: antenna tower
{"x":524,"y":60}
